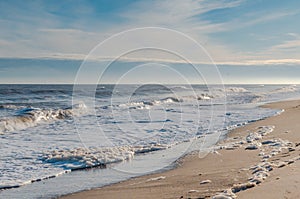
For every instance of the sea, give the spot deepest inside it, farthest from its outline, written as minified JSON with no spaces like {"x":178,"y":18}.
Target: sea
{"x":60,"y":139}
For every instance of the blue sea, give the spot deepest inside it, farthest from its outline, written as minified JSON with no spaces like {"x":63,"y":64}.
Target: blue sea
{"x":60,"y":139}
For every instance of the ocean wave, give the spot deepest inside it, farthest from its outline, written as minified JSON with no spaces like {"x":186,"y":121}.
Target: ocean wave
{"x":82,"y":158}
{"x":285,"y":89}
{"x":148,"y":104}
{"x":245,"y":99}
{"x":204,"y":96}
{"x":235,"y":90}
{"x":181,"y":87}
{"x":30,"y":117}
{"x":201,"y":96}
{"x":49,"y":91}
{"x":29,"y":91}
{"x":256,"y":98}
{"x":11,"y":106}
{"x":167,"y":100}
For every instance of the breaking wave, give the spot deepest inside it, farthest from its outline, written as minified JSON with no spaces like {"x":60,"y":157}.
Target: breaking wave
{"x":167,"y":100}
{"x":148,"y":104}
{"x":235,"y":90}
{"x":30,"y":117}
{"x":285,"y":89}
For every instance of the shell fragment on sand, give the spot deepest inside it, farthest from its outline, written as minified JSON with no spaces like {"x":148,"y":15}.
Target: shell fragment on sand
{"x":205,"y":182}
{"x":157,"y":178}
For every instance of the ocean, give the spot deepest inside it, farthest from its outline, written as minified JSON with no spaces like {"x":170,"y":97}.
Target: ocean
{"x":60,"y":139}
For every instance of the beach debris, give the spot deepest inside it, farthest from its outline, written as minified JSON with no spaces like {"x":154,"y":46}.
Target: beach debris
{"x":193,"y":191}
{"x":231,"y":147}
{"x":290,"y":161}
{"x":216,"y":152}
{"x":281,"y":164}
{"x":157,"y":178}
{"x":291,"y":149}
{"x":267,"y":142}
{"x":253,"y":146}
{"x":205,"y":182}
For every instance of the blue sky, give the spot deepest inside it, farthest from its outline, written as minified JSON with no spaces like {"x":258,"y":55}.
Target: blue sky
{"x":239,"y":35}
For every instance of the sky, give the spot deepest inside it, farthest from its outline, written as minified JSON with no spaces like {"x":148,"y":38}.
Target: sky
{"x":247,"y":41}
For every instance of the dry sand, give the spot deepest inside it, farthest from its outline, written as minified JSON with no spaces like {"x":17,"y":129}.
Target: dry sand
{"x":270,"y":170}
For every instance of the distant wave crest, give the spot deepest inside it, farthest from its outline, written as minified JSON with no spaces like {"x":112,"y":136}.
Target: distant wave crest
{"x":148,"y":104}
{"x":235,"y":90}
{"x":285,"y":89}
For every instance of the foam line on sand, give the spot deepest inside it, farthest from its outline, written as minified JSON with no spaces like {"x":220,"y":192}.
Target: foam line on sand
{"x":259,"y":160}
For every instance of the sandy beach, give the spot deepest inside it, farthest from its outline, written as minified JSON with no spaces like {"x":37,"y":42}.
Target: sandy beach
{"x":259,"y":160}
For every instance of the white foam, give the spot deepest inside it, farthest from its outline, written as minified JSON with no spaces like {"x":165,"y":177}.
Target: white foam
{"x":84,"y":158}
{"x":241,"y":187}
{"x":180,"y":126}
{"x":268,"y":148}
{"x":285,"y":89}
{"x":204,"y":97}
{"x":257,"y":135}
{"x":235,"y":90}
{"x":226,"y":194}
{"x":31,"y":117}
{"x":221,"y":196}
{"x":149,"y":104}
{"x":10,"y":106}
{"x":252,"y":138}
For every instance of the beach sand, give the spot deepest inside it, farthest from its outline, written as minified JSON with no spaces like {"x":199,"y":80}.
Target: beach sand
{"x":259,"y":160}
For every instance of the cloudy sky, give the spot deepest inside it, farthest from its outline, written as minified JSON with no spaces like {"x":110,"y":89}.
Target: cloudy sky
{"x":241,"y":36}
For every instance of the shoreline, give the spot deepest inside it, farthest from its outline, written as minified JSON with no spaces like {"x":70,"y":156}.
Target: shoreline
{"x":220,"y":172}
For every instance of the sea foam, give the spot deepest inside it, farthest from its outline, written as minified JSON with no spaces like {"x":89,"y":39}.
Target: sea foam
{"x":29,"y":117}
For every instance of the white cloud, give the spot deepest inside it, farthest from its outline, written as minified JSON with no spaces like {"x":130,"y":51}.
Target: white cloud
{"x":43,"y":38}
{"x":257,"y":18}
{"x":177,"y":14}
{"x":44,"y":41}
{"x":292,"y":34}
{"x":288,"y":45}
{"x":263,"y":62}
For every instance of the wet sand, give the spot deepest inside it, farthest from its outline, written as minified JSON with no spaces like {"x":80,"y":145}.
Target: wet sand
{"x":259,"y":160}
